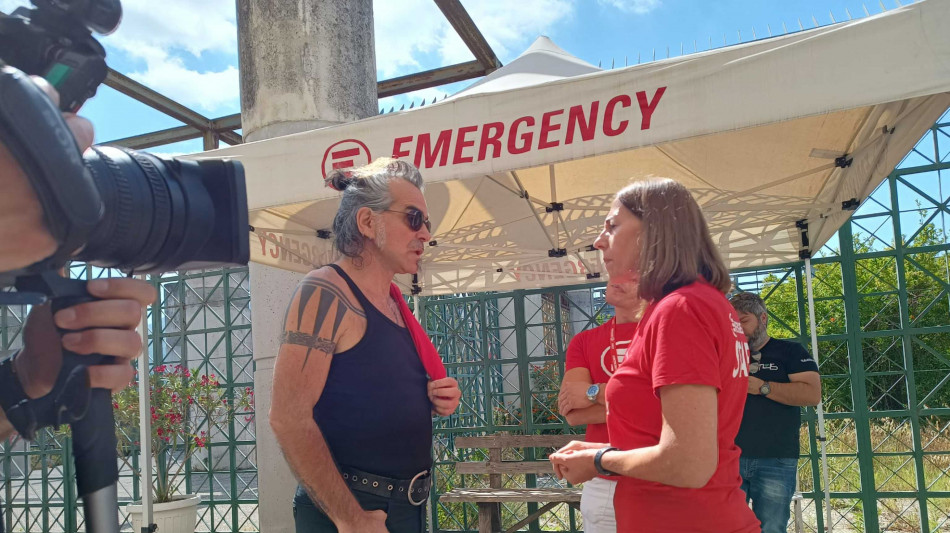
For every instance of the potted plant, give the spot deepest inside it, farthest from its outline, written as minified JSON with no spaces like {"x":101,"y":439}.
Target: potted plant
{"x":186,"y":411}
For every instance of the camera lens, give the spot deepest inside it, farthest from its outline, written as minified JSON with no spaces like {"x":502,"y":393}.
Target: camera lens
{"x":163,"y":213}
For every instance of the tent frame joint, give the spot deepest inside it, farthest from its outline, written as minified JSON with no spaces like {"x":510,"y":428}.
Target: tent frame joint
{"x":803,"y":226}
{"x":323,"y":234}
{"x":416,"y":288}
{"x":557,"y":252}
{"x":850,"y":205}
{"x":843,"y":161}
{"x":555,"y":206}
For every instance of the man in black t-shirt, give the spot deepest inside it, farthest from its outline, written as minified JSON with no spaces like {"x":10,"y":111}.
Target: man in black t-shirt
{"x":782,"y":378}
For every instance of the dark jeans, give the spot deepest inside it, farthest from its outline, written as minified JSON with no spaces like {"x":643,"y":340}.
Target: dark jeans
{"x":401,"y":516}
{"x":770,"y":484}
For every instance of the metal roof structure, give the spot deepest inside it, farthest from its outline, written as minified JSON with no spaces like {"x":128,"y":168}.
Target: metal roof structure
{"x":226,"y":129}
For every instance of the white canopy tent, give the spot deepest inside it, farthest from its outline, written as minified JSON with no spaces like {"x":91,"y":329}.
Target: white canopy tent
{"x":779,"y":139}
{"x":520,"y":167}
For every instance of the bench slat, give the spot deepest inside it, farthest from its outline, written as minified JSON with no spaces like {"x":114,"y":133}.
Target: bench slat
{"x":516,"y":441}
{"x":571,"y":495}
{"x":504,"y":467}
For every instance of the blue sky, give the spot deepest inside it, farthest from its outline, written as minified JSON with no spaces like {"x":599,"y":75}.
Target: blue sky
{"x":187,"y":50}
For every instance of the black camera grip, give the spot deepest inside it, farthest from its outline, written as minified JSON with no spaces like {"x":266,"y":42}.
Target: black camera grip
{"x":94,"y":440}
{"x":93,"y":426}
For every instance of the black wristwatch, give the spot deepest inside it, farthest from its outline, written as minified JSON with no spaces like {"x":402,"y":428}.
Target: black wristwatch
{"x":597,"y":458}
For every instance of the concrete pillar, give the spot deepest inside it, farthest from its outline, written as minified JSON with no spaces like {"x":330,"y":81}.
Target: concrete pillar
{"x":271,"y":289}
{"x":304,"y":65}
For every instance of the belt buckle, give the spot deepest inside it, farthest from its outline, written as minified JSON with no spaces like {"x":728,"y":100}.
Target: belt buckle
{"x":411,"y":483}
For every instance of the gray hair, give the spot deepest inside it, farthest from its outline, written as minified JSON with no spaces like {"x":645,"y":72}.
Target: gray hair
{"x":748,"y":302}
{"x":366,"y":186}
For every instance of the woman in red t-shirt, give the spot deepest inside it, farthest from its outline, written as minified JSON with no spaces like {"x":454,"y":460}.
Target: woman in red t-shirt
{"x":674,"y":405}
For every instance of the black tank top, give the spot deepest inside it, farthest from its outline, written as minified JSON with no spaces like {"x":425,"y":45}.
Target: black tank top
{"x":375,"y":412}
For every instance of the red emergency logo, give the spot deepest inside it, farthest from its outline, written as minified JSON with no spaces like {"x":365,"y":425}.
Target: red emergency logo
{"x":345,"y":154}
{"x":609,"y":362}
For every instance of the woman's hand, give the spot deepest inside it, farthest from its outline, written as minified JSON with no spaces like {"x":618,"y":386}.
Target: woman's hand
{"x":575,"y":465}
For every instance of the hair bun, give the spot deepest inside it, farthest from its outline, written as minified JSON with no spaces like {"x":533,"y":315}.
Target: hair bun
{"x":339,"y":180}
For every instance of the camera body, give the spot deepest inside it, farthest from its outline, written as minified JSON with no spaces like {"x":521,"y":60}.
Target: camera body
{"x":55,"y":41}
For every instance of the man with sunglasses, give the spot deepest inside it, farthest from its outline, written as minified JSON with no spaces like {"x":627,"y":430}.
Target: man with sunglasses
{"x":353,"y":397}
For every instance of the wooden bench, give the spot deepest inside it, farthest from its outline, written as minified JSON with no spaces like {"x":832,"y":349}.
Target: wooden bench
{"x":489,"y":500}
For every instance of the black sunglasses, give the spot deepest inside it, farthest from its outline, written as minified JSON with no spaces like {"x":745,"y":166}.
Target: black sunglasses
{"x":415,"y":218}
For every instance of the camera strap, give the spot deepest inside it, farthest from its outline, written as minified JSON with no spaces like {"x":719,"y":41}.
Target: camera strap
{"x":66,"y":403}
{"x":35,"y":133}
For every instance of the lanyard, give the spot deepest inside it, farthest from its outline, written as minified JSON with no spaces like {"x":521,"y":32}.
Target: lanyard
{"x":613,"y":342}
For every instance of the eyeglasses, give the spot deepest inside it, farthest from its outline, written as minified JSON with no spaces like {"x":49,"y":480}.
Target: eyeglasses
{"x":415,"y":218}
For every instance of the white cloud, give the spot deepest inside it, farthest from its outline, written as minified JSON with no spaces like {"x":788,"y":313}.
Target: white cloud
{"x":177,"y":25}
{"x":209,"y":91}
{"x":413,"y":35}
{"x":403,"y":31}
{"x":509,"y":26}
{"x":165,"y":38}
{"x":7,"y":6}
{"x":639,"y":7}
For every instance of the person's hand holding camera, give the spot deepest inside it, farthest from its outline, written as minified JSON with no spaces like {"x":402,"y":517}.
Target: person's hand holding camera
{"x":24,"y":237}
{"x":106,"y":326}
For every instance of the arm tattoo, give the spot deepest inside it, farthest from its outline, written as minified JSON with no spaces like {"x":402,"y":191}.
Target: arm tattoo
{"x":331,"y":304}
{"x":310,"y":341}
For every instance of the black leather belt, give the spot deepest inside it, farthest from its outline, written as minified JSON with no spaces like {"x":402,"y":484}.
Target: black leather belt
{"x":415,"y":490}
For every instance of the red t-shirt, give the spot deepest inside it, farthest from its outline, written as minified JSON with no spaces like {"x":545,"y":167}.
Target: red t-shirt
{"x":591,"y":349}
{"x":691,"y":336}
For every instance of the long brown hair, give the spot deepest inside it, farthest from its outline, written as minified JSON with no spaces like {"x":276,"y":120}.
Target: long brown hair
{"x":676,"y":248}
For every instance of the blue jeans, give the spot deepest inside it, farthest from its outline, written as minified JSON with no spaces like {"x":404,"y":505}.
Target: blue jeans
{"x":770,"y":483}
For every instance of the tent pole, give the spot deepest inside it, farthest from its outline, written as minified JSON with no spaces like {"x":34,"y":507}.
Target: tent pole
{"x":417,"y":308}
{"x":145,"y":422}
{"x":822,"y":440}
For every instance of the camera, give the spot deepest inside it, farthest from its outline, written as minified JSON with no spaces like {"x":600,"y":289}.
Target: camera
{"x":112,"y":207}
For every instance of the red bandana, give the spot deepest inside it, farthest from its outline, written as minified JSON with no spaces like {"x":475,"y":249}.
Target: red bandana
{"x":427,"y":353}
